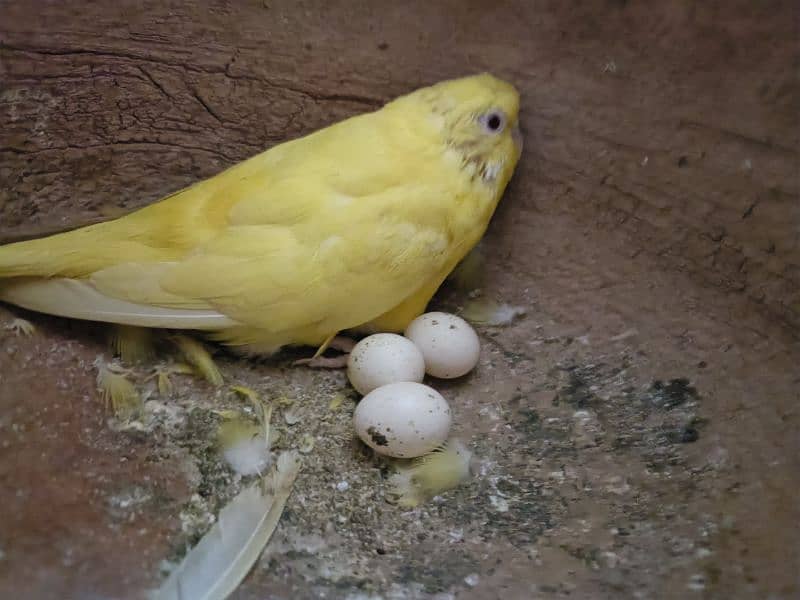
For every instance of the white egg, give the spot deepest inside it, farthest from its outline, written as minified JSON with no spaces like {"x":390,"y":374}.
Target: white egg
{"x":448,"y":343}
{"x":404,"y":419}
{"x":384,"y":358}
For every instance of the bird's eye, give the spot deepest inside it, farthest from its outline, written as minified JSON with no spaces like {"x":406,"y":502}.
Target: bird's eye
{"x":494,"y":121}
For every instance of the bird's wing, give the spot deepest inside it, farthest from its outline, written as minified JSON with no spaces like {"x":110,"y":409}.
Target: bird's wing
{"x":317,"y":258}
{"x":280,"y":279}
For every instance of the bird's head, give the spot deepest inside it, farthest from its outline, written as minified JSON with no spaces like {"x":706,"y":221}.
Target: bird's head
{"x":477,"y":117}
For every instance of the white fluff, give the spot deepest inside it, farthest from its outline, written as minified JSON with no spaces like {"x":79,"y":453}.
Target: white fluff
{"x":248,"y":456}
{"x":482,"y":311}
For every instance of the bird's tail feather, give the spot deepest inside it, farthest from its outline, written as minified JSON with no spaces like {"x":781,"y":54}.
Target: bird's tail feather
{"x":73,"y":254}
{"x":78,"y":299}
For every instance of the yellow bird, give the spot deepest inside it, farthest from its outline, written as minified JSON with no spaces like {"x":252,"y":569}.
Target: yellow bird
{"x":353,"y":227}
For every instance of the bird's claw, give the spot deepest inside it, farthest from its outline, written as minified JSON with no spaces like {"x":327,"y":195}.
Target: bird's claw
{"x":342,"y":344}
{"x":323,"y":362}
{"x":338,"y":342}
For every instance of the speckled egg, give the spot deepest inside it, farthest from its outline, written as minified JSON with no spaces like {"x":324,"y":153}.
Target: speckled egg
{"x":384,"y":358}
{"x":404,"y":419}
{"x":448,"y":344}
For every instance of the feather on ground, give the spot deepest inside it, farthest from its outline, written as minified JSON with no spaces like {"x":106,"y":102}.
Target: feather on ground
{"x":215,"y":567}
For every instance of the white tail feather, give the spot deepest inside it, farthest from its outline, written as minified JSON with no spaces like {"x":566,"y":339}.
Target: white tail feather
{"x":77,"y":299}
{"x":224,"y":555}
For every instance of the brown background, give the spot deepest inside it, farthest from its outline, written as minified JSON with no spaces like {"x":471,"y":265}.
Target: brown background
{"x":675,"y":123}
{"x":659,"y":189}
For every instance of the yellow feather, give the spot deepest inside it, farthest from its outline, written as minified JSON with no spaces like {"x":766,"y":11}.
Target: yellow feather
{"x":423,"y":478}
{"x":470,"y":273}
{"x":485,"y":311}
{"x":162,"y":376}
{"x":165,"y":387}
{"x":132,"y":344}
{"x":352,"y":227}
{"x":195,"y":354}
{"x":118,"y":393}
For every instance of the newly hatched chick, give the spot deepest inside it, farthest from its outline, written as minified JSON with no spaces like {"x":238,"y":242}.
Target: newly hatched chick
{"x":352,"y":227}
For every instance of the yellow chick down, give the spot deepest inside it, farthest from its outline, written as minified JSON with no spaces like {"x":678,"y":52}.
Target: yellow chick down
{"x":353,"y":227}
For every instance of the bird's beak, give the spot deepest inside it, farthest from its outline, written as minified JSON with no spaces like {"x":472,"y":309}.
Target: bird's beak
{"x":516,"y":135}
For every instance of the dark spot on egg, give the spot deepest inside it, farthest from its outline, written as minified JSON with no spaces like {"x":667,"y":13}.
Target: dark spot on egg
{"x":377,"y":437}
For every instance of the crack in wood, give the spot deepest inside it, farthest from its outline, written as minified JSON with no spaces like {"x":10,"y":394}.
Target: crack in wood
{"x":749,"y":211}
{"x":206,"y":106}
{"x":741,"y":137}
{"x":223,"y":70}
{"x":129,"y":144}
{"x":155,"y":82}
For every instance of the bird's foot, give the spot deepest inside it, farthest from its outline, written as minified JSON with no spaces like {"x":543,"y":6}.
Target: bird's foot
{"x":324,"y":362}
{"x":340,"y":343}
{"x":21,"y":327}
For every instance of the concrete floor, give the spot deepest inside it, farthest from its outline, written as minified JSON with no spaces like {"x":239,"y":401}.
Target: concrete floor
{"x":636,"y":438}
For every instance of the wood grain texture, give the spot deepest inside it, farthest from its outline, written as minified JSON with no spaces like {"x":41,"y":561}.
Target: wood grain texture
{"x":674,"y":124}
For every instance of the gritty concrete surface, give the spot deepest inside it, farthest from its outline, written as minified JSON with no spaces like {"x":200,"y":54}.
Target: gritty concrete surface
{"x":635,"y":433}
{"x":630,"y":440}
